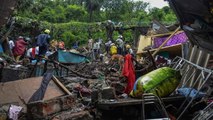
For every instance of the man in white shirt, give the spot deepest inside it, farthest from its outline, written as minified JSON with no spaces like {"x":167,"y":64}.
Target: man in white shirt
{"x":11,"y":44}
{"x":32,"y":52}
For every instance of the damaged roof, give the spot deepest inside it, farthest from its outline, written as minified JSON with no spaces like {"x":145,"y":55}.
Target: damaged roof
{"x":196,"y":19}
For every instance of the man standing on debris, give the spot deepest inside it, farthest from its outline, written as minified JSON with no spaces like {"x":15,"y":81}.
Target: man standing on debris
{"x":11,"y":44}
{"x":90,"y":44}
{"x":113,"y":49}
{"x":129,"y":50}
{"x":61,"y":45}
{"x":120,"y":43}
{"x":43,"y":42}
{"x":19,"y":48}
{"x":96,"y":49}
{"x":107,"y":45}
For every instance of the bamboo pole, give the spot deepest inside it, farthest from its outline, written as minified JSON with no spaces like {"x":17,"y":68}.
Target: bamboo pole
{"x":159,"y":48}
{"x":61,"y":85}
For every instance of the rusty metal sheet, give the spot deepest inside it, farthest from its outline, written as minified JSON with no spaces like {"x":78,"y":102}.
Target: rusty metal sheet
{"x":16,"y":92}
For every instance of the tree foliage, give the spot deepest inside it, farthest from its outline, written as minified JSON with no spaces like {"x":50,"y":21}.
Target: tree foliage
{"x":72,"y":19}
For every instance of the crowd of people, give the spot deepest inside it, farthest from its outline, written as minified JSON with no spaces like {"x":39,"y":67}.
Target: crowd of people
{"x":41,"y":46}
{"x":118,"y":47}
{"x":24,"y":47}
{"x":118,"y":51}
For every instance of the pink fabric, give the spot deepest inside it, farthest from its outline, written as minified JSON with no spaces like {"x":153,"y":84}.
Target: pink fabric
{"x":129,"y":72}
{"x":20,"y":47}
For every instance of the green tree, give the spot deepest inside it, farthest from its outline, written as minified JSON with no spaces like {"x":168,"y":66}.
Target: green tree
{"x":75,"y":12}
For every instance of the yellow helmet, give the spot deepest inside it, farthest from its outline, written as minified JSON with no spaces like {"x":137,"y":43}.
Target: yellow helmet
{"x":128,"y":46}
{"x":47,"y":31}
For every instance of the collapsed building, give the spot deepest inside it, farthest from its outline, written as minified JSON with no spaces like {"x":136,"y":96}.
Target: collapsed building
{"x":70,"y":86}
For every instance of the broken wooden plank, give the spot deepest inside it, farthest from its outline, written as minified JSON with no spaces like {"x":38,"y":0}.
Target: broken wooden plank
{"x":61,"y":85}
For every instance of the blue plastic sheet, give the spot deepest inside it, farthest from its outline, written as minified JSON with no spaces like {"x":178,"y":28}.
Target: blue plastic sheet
{"x":194,"y":93}
{"x":69,"y":57}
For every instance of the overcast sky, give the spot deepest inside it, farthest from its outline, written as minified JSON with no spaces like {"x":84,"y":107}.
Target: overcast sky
{"x":156,"y":3}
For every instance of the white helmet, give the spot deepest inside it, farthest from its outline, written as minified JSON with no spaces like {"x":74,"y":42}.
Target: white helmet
{"x":120,"y":36}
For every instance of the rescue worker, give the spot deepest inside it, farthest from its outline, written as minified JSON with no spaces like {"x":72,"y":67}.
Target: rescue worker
{"x":107,"y":45}
{"x":32,"y":52}
{"x":54,"y":45}
{"x":129,"y":50}
{"x":61,"y":45}
{"x":120,"y":43}
{"x":90,"y":44}
{"x":113,"y":49}
{"x":11,"y":44}
{"x":19,"y":48}
{"x":96,"y":49}
{"x":43,"y":42}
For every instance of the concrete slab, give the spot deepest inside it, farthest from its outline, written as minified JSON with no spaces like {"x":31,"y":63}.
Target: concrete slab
{"x":19,"y":92}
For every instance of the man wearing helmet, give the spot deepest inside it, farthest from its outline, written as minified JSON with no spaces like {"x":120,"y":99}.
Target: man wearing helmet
{"x":129,"y":50}
{"x":43,"y":42}
{"x":120,"y":43}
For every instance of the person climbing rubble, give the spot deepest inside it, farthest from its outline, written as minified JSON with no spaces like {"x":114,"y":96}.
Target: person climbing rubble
{"x":90,"y":44}
{"x":113,"y":49}
{"x":61,"y":45}
{"x":107,"y":46}
{"x":129,"y":50}
{"x":96,"y":49}
{"x":11,"y":44}
{"x":120,"y":44}
{"x":32,"y":52}
{"x":43,"y":42}
{"x":19,"y":48}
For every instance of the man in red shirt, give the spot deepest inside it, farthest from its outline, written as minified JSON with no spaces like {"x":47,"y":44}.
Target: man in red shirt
{"x":20,"y":48}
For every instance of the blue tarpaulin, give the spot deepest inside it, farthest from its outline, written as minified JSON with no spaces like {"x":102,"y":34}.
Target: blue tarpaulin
{"x":69,"y":57}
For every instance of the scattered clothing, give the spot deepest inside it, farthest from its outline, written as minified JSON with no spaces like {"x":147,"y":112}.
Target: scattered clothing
{"x":190,"y":92}
{"x":129,"y":72}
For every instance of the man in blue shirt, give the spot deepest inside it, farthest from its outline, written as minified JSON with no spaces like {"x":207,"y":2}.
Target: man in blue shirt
{"x":43,"y":42}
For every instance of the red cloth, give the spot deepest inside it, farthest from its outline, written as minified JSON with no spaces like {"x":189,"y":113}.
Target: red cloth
{"x":20,"y":47}
{"x":33,"y":52}
{"x":129,"y":72}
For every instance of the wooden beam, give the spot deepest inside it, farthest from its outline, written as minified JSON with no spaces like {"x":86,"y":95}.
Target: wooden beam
{"x":61,"y":85}
{"x":158,"y":49}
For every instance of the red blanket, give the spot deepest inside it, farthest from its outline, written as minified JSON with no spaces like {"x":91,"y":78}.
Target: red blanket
{"x":129,"y":72}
